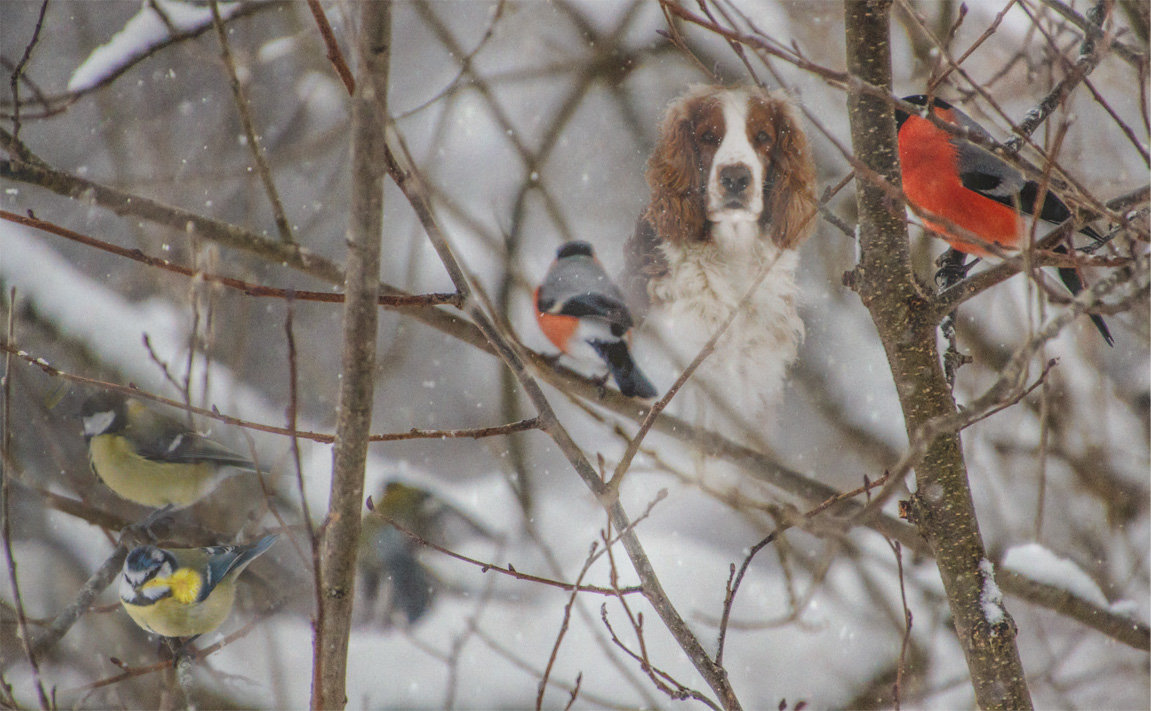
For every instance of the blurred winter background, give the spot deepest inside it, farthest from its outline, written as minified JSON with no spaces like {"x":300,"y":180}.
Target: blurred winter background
{"x":532,"y":122}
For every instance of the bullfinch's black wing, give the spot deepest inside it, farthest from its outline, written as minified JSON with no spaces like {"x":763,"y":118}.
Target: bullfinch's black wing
{"x":979,"y":169}
{"x":598,"y":305}
{"x":578,"y":286}
{"x":992,"y":177}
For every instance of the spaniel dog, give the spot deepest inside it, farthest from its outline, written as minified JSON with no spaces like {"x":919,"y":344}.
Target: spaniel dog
{"x":732,"y":190}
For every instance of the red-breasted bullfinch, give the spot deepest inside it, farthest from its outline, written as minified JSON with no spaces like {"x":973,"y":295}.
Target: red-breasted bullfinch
{"x":971,"y":188}
{"x":583,"y":313}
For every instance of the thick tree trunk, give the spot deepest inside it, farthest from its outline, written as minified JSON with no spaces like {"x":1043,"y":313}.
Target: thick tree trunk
{"x":942,"y":507}
{"x":341,"y":530}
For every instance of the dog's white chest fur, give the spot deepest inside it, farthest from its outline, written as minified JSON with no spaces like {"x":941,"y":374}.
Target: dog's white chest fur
{"x":705,"y":281}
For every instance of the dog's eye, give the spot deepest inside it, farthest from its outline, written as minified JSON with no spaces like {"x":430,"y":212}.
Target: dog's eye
{"x":709,"y":138}
{"x":762,"y":138}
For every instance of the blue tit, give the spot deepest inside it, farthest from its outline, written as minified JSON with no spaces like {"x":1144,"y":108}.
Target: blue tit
{"x":184,"y":592}
{"x":151,"y":458}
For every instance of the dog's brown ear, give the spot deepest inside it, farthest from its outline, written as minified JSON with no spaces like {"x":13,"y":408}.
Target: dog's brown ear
{"x":790,"y":186}
{"x":676,"y":211}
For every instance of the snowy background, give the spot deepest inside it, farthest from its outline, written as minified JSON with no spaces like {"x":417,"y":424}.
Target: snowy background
{"x":532,"y":121}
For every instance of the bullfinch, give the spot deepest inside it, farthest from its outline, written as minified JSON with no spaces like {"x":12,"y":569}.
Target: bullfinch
{"x":583,"y":313}
{"x":184,"y":592}
{"x":151,"y":458}
{"x":971,"y":188}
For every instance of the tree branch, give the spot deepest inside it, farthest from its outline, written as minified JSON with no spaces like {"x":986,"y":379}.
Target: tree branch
{"x":411,"y":184}
{"x":341,"y":531}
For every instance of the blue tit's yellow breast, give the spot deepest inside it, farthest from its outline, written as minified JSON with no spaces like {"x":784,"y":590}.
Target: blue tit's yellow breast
{"x":145,"y":481}
{"x":170,"y":617}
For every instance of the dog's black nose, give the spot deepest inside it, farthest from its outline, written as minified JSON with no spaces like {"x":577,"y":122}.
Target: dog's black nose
{"x":735,"y":178}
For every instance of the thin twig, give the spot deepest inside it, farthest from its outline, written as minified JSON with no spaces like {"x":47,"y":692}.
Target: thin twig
{"x":244,"y":287}
{"x":901,"y":666}
{"x":185,"y":221}
{"x":322,"y":437}
{"x":60,"y":102}
{"x":660,"y":678}
{"x":1091,"y":51}
{"x":5,"y":512}
{"x":987,"y":33}
{"x":465,"y":63}
{"x":510,"y":571}
{"x":1135,"y":57}
{"x":167,"y":372}
{"x":564,"y":627}
{"x":192,"y":654}
{"x":736,"y":578}
{"x":297,"y":464}
{"x":411,"y":184}
{"x":18,"y":72}
{"x":253,"y":138}
{"x":1009,"y":387}
{"x":93,"y":586}
{"x":335,"y":56}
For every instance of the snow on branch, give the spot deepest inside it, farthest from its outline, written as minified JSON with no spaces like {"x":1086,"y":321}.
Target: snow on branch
{"x":157,"y":23}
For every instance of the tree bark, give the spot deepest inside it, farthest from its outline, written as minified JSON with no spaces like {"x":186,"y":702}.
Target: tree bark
{"x":942,"y":507}
{"x":341,"y":529}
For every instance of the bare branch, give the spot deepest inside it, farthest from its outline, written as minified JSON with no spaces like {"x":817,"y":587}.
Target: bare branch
{"x":335,"y":56}
{"x":563,"y":628}
{"x":411,"y":184}
{"x":253,"y":138}
{"x":5,"y":511}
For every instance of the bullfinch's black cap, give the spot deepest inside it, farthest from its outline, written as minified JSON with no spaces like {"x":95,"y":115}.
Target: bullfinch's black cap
{"x":576,"y":247}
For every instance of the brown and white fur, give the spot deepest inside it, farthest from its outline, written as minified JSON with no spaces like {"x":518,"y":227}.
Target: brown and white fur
{"x":732,"y":190}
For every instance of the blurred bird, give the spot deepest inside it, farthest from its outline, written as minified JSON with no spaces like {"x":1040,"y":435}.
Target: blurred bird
{"x":394,"y":581}
{"x":151,"y":458}
{"x":184,"y":592}
{"x":964,"y":184}
{"x":583,"y":313}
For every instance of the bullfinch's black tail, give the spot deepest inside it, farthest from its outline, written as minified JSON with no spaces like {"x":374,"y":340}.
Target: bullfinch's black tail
{"x":624,"y":371}
{"x":1074,"y":282}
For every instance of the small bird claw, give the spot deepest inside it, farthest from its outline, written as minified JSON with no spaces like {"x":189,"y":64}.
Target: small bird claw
{"x":601,"y":384}
{"x":145,"y":528}
{"x":953,"y":268}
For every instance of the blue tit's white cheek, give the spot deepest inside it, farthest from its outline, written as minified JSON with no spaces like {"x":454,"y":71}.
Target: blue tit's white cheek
{"x":127,"y":591}
{"x":98,"y":423}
